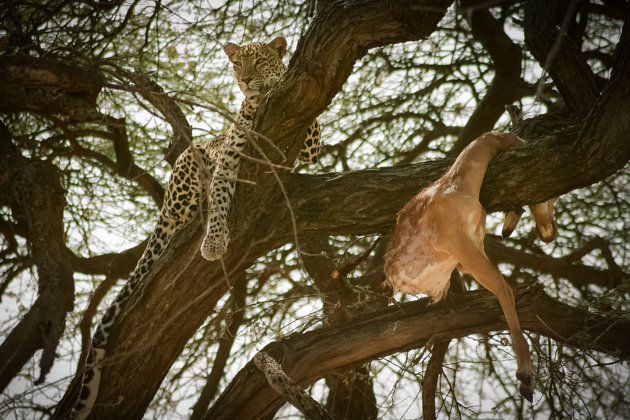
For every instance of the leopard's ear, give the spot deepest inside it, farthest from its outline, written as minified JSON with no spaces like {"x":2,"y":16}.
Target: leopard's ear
{"x":231,"y":50}
{"x":279,"y":45}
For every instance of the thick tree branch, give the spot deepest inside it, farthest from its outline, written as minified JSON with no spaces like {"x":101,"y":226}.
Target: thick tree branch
{"x":35,"y":195}
{"x":312,"y":355}
{"x":45,"y":86}
{"x":182,"y":131}
{"x":574,"y":158}
{"x":79,"y":81}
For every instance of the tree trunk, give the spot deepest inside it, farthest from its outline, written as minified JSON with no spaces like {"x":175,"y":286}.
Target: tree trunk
{"x":36,"y":198}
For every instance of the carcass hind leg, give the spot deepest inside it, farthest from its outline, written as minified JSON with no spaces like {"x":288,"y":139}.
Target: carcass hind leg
{"x":475,"y":262}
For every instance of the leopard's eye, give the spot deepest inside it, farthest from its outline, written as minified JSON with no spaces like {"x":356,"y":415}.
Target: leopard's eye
{"x":237,"y":63}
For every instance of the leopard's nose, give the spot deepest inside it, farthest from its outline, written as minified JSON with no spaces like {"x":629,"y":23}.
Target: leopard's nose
{"x":246,"y":80}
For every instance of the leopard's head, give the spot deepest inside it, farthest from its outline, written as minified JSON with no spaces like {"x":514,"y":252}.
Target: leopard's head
{"x":257,"y":66}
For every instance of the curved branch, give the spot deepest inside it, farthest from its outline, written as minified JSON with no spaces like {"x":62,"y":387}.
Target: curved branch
{"x":312,"y":355}
{"x":116,"y":264}
{"x":124,"y":164}
{"x":131,"y":172}
{"x":154,"y":93}
{"x":579,"y":275}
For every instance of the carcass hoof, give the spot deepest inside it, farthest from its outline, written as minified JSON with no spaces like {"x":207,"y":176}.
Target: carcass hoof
{"x":527,"y":385}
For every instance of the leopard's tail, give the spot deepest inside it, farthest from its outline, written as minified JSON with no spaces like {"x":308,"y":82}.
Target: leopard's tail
{"x":94,"y":363}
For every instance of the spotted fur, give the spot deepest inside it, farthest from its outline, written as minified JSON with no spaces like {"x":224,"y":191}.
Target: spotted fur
{"x":257,"y":68}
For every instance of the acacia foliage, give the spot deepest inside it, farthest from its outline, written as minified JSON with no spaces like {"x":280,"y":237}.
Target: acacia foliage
{"x":96,"y":111}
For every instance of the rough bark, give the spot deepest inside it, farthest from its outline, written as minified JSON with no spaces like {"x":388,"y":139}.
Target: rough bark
{"x":115,"y":265}
{"x":307,"y":357}
{"x":77,"y":80}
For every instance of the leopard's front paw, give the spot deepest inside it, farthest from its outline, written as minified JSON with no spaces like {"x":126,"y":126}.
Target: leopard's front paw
{"x":215,"y":243}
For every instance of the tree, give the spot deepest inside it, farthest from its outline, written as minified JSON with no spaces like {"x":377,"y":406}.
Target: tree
{"x":98,"y":94}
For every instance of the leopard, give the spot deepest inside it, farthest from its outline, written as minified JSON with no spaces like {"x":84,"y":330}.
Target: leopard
{"x":257,"y":67}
